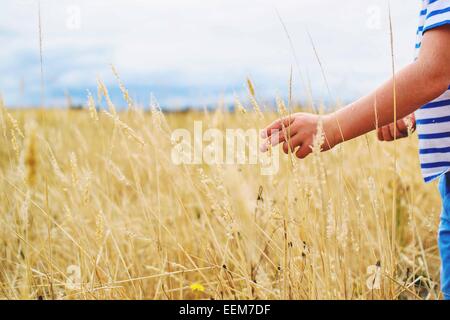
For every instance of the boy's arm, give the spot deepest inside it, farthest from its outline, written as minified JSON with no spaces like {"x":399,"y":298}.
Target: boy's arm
{"x":415,"y":85}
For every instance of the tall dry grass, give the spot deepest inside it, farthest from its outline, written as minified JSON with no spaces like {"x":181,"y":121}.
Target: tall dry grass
{"x":92,"y":207}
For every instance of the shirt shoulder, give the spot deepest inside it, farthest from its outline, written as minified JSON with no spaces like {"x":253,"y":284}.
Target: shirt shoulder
{"x":436,"y":13}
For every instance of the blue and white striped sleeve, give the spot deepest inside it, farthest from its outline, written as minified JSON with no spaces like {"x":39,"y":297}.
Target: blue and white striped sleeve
{"x":438,"y":14}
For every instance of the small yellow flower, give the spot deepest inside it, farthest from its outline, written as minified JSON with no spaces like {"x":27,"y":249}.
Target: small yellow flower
{"x":197,"y":287}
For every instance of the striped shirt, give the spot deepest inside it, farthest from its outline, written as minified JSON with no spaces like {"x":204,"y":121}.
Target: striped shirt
{"x":433,"y":119}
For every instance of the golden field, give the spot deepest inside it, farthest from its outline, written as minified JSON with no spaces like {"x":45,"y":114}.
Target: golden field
{"x":92,"y":207}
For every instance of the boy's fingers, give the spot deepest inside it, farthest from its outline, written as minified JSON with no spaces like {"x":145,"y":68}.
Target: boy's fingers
{"x":293,"y":142}
{"x":380,"y":134}
{"x":303,"y":151}
{"x":285,"y":147}
{"x":277,"y":125}
{"x":413,"y":119}
{"x":393,"y":130}
{"x":386,"y":131}
{"x":277,"y":138}
{"x":401,"y":126}
{"x":399,"y":133}
{"x":273,"y":140}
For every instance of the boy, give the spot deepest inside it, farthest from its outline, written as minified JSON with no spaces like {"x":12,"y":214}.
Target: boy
{"x":423,"y":86}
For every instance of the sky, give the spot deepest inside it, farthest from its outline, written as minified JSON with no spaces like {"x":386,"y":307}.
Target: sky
{"x":199,"y":53}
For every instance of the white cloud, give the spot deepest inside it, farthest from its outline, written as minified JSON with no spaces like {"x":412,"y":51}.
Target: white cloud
{"x":203,"y":45}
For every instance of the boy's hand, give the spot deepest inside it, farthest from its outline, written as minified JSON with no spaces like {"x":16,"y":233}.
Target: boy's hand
{"x":299,"y":129}
{"x":386,"y":133}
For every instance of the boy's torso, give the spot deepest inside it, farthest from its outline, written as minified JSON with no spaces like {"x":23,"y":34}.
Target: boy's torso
{"x":433,"y":119}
